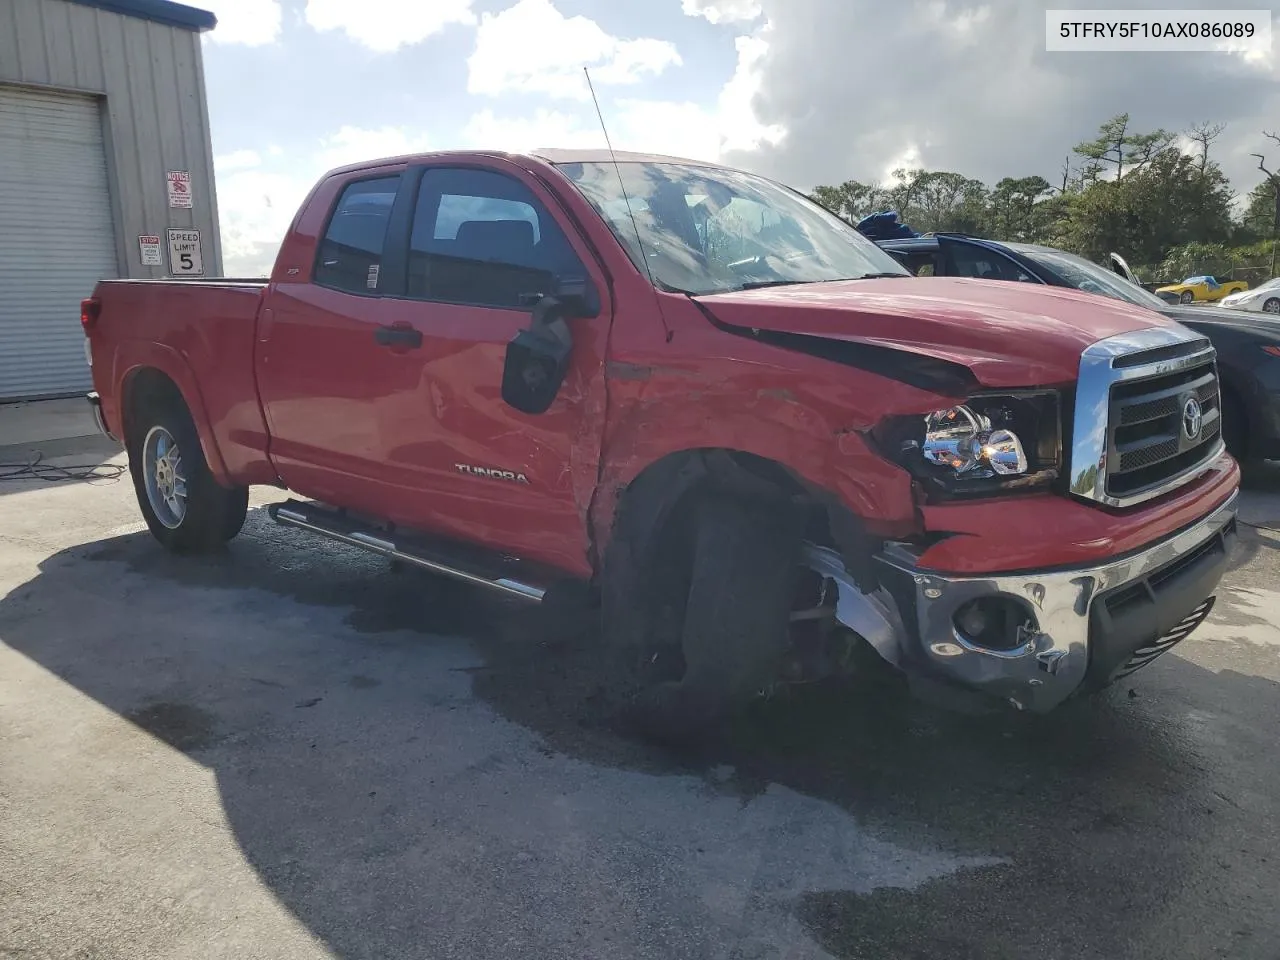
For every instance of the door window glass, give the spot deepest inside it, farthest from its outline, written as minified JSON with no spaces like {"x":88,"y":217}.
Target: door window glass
{"x":482,"y":238}
{"x":968,"y":260}
{"x":350,"y":254}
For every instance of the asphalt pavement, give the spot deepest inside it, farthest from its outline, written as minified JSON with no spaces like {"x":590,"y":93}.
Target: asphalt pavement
{"x":288,"y":751}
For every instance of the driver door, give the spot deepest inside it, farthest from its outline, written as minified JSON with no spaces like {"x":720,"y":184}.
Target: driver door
{"x":1118,"y":265}
{"x":481,"y":242}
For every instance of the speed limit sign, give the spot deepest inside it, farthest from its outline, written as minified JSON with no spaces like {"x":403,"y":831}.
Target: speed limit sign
{"x":184,"y":253}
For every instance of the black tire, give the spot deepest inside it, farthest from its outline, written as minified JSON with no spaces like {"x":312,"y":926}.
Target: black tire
{"x":741,"y":586}
{"x":1272,"y":305}
{"x":213,"y":513}
{"x":1187,"y":297}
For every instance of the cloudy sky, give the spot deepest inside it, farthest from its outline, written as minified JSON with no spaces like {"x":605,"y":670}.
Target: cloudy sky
{"x":807,"y":91}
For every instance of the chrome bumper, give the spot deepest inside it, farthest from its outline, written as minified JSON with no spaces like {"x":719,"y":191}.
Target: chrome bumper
{"x":95,"y":404}
{"x":1091,"y":624}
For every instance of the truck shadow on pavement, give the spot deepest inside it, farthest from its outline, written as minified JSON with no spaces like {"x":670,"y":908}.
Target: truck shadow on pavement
{"x":356,"y":774}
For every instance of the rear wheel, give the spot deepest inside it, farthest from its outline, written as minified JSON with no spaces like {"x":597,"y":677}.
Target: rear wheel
{"x":185,"y":508}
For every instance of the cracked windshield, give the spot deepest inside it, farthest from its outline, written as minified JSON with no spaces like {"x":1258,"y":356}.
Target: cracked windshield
{"x":704,"y":230}
{"x":619,"y":479}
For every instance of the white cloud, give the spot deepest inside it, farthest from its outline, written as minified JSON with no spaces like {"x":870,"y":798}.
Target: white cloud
{"x":249,"y":22}
{"x":673,"y":127}
{"x":387,"y":25}
{"x":646,"y":126}
{"x":739,"y":125}
{"x":255,"y":209}
{"x":543,"y":128}
{"x":908,"y":159}
{"x":357,"y":144}
{"x":533,"y":48}
{"x":257,"y":204}
{"x":1006,"y":106}
{"x":956,"y":24}
{"x":677,"y":129}
{"x":237,"y":160}
{"x":722,"y":11}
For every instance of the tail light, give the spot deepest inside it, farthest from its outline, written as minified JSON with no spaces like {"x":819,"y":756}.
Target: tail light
{"x":89,"y":311}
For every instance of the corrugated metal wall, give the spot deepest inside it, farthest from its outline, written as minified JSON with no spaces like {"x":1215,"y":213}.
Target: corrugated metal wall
{"x":56,"y":236}
{"x":156,"y":118}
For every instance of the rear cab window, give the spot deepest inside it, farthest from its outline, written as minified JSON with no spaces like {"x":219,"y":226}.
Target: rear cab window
{"x":349,"y":257}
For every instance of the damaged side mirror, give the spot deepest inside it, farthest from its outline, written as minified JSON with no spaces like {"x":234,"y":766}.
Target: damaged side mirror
{"x":538,"y":357}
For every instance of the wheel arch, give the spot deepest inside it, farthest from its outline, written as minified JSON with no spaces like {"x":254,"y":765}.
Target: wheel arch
{"x":652,"y":512}
{"x":159,"y":373}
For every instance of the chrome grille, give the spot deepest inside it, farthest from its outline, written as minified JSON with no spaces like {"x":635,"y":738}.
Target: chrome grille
{"x":1152,"y":438}
{"x":1147,"y":415}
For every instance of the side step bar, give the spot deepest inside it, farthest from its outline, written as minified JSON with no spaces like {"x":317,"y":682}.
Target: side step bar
{"x":475,"y":569}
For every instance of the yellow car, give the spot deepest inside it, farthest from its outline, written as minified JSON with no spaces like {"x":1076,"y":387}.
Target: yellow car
{"x":1200,"y":290}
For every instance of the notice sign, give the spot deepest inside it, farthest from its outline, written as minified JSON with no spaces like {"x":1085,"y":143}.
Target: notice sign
{"x":184,"y":253}
{"x":179,"y":188}
{"x":149,"y":251}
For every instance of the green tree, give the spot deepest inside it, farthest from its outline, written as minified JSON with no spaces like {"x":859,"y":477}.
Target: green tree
{"x":1204,"y":134}
{"x":942,"y":200}
{"x":1166,"y":203}
{"x":1268,"y":189}
{"x":1260,"y":216}
{"x":1196,"y":258}
{"x":851,"y":200}
{"x":1017,"y":209}
{"x":1117,"y":145}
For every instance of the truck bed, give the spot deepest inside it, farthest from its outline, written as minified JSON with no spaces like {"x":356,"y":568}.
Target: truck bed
{"x":183,"y":326}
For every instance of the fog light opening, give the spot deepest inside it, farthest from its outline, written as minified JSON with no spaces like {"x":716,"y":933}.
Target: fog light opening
{"x":996,"y":623}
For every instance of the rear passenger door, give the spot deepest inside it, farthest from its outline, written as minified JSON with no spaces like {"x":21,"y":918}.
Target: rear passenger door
{"x":318,"y":352}
{"x":480,"y":244}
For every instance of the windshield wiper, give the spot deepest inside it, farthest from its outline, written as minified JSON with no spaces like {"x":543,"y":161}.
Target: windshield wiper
{"x":761,"y":284}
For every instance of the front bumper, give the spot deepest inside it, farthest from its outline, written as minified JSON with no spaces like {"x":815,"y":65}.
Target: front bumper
{"x":1089,"y":625}
{"x":99,"y":418}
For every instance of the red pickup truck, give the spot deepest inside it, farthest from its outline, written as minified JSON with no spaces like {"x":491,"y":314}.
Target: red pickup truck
{"x":753,"y":438}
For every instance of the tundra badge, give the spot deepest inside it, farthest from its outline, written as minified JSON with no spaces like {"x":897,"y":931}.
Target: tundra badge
{"x":491,"y":473}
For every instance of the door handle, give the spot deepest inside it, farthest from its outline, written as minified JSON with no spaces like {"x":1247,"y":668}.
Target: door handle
{"x":398,"y":336}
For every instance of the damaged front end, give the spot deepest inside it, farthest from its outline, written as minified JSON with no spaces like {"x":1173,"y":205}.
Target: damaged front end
{"x":1018,"y":588}
{"x":1035,"y":639}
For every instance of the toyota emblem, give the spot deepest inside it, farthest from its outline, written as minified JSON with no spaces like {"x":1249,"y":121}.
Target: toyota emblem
{"x":1192,"y":418}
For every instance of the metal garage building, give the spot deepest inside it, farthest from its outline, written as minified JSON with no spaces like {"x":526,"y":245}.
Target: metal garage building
{"x":106,"y":170}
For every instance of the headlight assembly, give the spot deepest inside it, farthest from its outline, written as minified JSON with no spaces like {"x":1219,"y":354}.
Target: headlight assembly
{"x":988,"y":444}
{"x":965,"y":441}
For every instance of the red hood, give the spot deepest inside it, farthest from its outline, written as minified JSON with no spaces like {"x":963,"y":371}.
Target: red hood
{"x":1009,"y":334}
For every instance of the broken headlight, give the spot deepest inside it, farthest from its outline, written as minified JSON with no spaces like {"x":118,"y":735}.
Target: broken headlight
{"x":989,"y":443}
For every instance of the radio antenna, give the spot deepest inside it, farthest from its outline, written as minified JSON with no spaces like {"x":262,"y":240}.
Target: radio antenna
{"x":627,"y":199}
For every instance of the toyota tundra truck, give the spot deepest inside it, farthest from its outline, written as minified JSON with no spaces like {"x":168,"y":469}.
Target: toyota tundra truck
{"x":707,"y":406}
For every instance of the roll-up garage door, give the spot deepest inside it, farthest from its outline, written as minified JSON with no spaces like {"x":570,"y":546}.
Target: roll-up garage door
{"x":56,"y":237}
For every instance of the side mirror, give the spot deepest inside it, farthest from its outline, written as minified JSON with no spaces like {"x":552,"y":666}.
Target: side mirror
{"x":538,"y":358}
